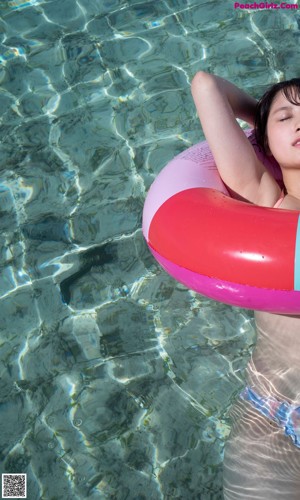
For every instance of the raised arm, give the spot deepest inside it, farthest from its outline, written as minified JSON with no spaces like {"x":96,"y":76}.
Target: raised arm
{"x":218,"y":104}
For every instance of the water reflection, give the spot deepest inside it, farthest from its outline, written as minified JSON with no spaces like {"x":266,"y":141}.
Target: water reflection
{"x":261,"y":460}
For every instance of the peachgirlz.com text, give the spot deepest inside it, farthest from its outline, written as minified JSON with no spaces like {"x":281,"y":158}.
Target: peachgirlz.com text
{"x":265,"y":5}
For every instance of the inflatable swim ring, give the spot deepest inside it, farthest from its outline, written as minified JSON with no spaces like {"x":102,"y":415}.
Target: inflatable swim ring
{"x":231,"y":251}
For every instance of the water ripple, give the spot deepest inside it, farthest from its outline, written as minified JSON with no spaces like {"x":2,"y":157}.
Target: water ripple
{"x":115,"y":379}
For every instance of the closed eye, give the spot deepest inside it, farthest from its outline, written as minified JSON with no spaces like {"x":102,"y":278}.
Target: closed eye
{"x":284,"y":119}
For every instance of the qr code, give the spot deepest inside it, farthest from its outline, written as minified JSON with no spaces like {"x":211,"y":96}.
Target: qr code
{"x":14,"y":486}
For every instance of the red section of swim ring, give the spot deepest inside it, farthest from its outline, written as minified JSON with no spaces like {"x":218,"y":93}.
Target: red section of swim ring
{"x":209,"y":233}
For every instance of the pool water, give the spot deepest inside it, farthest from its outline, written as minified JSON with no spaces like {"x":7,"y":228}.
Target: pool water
{"x":116,"y":381}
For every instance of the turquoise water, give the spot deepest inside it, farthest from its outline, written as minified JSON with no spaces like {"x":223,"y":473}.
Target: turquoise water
{"x":115,"y":380}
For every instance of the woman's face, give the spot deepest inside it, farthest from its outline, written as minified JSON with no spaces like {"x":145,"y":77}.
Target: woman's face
{"x":283,"y":132}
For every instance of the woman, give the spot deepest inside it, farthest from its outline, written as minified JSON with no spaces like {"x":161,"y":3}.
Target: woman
{"x":261,"y":461}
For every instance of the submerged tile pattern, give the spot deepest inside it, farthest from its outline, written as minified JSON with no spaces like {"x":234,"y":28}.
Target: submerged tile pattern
{"x":115,"y":380}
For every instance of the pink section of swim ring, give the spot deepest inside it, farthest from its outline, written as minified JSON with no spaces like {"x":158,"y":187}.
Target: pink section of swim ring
{"x":234,"y":294}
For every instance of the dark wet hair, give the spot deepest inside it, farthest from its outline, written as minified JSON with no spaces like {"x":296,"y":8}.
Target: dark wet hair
{"x":291,"y":90}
